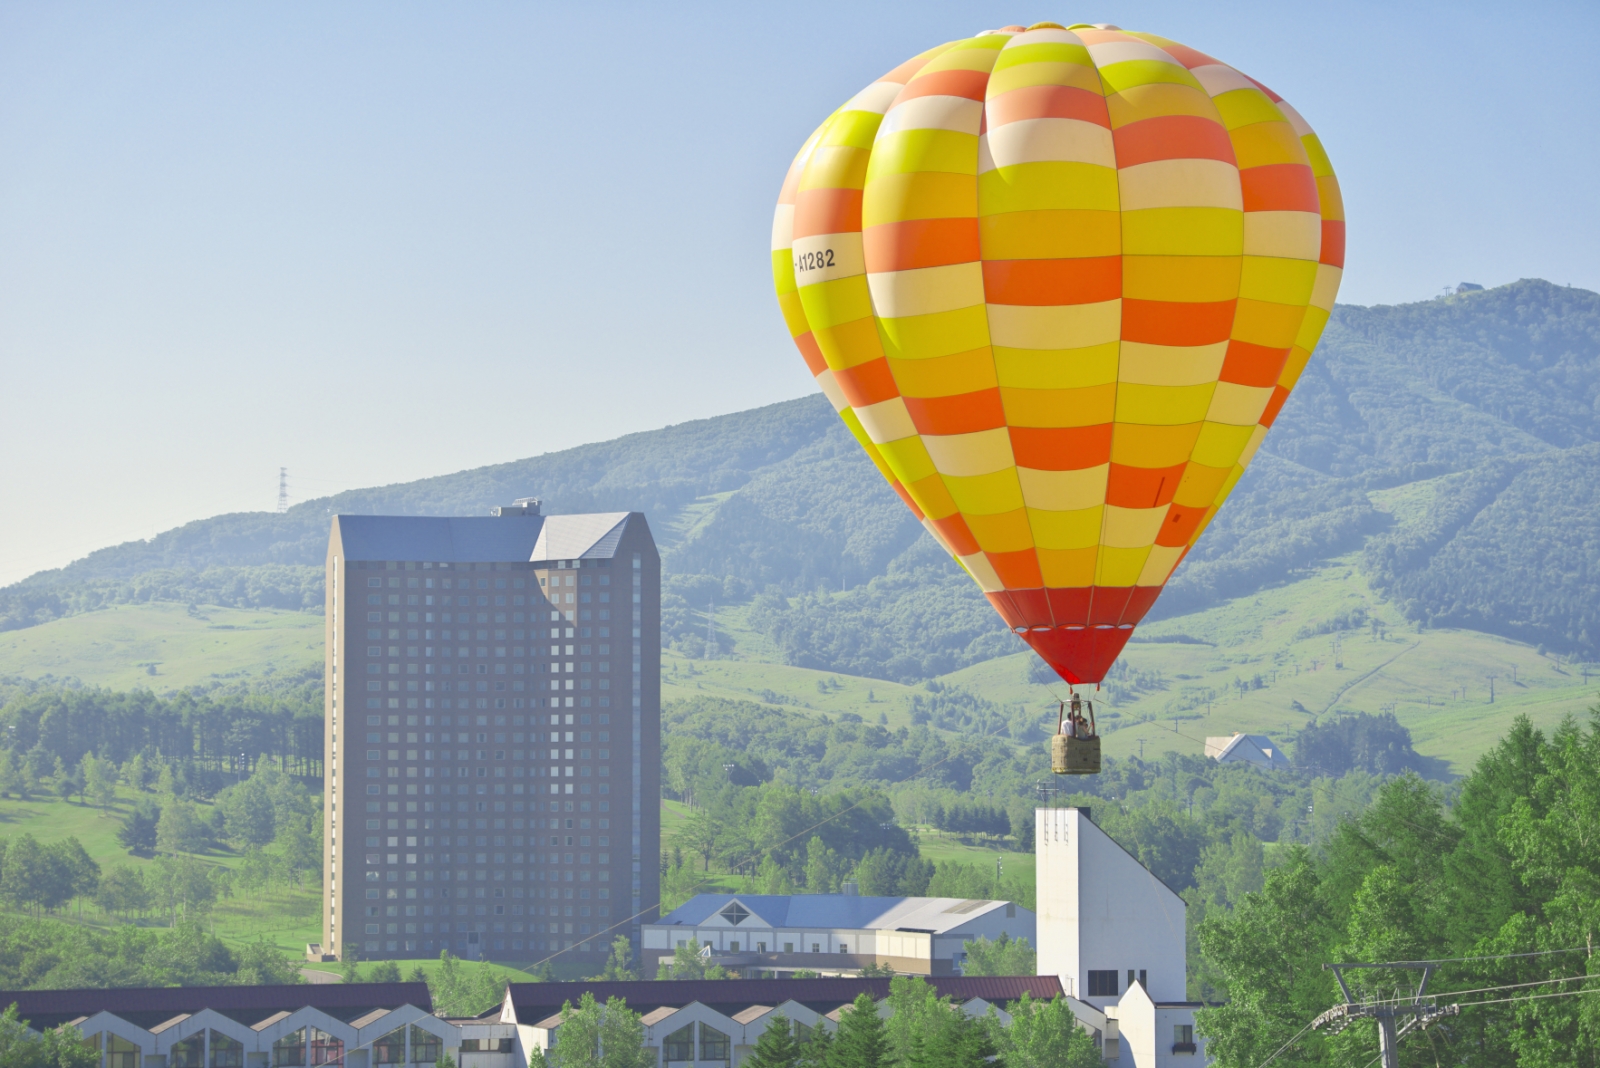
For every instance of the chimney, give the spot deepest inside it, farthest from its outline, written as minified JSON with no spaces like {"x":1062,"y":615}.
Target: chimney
{"x":850,"y":889}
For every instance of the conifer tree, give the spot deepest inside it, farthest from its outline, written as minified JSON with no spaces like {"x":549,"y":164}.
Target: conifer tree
{"x":776,"y":1048}
{"x":861,"y":1041}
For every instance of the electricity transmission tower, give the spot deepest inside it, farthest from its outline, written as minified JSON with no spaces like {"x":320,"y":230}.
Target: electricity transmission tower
{"x":283,"y":489}
{"x":1421,"y":1012}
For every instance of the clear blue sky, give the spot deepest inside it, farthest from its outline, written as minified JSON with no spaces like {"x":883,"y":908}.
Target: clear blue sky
{"x":376,"y":241}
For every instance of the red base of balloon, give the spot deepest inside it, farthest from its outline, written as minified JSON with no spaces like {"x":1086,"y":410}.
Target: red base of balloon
{"x":1078,"y":632}
{"x":1079,"y":655}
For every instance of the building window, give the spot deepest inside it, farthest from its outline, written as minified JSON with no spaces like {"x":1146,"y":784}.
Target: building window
{"x":679,"y":1046}
{"x":1103,"y":984}
{"x":425,"y":1046}
{"x":290,"y":1050}
{"x":713,"y":1044}
{"x":1183,"y":1038}
{"x":226,"y":1052}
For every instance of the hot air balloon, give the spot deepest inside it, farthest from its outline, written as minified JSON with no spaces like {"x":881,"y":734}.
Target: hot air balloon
{"x":1058,"y":282}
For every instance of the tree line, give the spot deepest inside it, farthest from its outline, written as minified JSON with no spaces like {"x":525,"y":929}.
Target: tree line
{"x":210,"y":739}
{"x":1501,"y":886}
{"x":920,"y":1029}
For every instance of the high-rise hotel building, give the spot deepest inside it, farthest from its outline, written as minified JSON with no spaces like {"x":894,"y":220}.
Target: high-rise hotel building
{"x":493,"y":734}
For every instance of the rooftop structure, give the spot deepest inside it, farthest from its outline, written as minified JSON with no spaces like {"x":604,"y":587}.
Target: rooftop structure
{"x":832,"y":933}
{"x":493,"y":734}
{"x":365,"y":1025}
{"x":1116,"y":937}
{"x":1256,"y":749}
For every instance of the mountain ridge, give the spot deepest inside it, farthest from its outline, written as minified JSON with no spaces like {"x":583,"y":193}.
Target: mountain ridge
{"x":1487,"y":400}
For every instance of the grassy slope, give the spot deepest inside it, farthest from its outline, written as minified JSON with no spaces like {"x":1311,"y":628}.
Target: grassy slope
{"x":115,"y":647}
{"x":284,"y":916}
{"x":1436,"y":681}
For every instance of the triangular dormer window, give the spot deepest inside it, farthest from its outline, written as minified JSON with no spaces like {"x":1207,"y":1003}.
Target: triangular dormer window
{"x":735,"y":913}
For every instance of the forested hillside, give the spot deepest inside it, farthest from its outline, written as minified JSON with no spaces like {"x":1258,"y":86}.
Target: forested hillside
{"x":1476,"y":412}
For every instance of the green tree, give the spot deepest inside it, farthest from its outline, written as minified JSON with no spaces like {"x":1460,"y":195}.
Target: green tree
{"x":59,"y":1047}
{"x":702,"y":833}
{"x":137,"y":773}
{"x":597,"y":1036}
{"x":100,"y":781}
{"x":1003,"y":956}
{"x":123,"y":892}
{"x":13,"y":780}
{"x":777,"y":1047}
{"x":688,"y":963}
{"x":386,"y":971}
{"x":619,"y":963}
{"x":861,"y":1040}
{"x":178,"y":830}
{"x":455,"y":992}
{"x":350,"y":968}
{"x":822,"y":867}
{"x":138,"y":831}
{"x":1043,"y":1034}
{"x":261,"y":963}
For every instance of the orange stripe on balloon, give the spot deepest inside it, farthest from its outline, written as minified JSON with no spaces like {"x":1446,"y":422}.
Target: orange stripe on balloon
{"x":1332,"y":243}
{"x":1252,"y":365}
{"x":1063,"y":448}
{"x":905,"y":246}
{"x":964,"y":413}
{"x":1280,"y":187}
{"x":1274,"y":406}
{"x":1189,"y":57}
{"x":1165,"y":322}
{"x":868,"y":383}
{"x":1018,"y":570}
{"x":905,"y":497}
{"x":964,"y":83}
{"x":827,"y":211}
{"x":1142,"y":487}
{"x":1047,"y":102}
{"x":957,"y":537}
{"x":1172,"y":137}
{"x":1179,"y":525}
{"x":1039,"y":283}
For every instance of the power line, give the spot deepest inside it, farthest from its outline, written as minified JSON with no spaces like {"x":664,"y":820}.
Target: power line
{"x":1486,"y":956}
{"x":1503,"y":986}
{"x":1287,"y":1044}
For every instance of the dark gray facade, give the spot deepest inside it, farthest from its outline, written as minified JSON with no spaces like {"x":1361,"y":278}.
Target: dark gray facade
{"x":493,"y":734}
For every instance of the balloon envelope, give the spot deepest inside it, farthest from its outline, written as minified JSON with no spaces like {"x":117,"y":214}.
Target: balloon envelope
{"x":1058,"y":282}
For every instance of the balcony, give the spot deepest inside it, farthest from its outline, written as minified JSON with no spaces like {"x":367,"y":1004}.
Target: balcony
{"x":1183,"y":1047}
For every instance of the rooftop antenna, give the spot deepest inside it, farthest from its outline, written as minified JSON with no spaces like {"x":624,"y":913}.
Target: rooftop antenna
{"x":283,"y":490}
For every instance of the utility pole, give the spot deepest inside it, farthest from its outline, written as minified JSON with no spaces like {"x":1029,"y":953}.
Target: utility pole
{"x":1422,"y":1013}
{"x":1491,"y":688}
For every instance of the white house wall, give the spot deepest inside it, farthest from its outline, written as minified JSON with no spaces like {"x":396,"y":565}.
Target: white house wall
{"x":1101,"y":910}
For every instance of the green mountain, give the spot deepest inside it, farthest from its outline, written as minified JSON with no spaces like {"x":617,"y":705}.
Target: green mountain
{"x":1453,"y":442}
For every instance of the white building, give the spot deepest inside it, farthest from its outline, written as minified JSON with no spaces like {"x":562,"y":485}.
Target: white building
{"x":1254,"y":749}
{"x":1115,"y":936}
{"x":777,"y":935}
